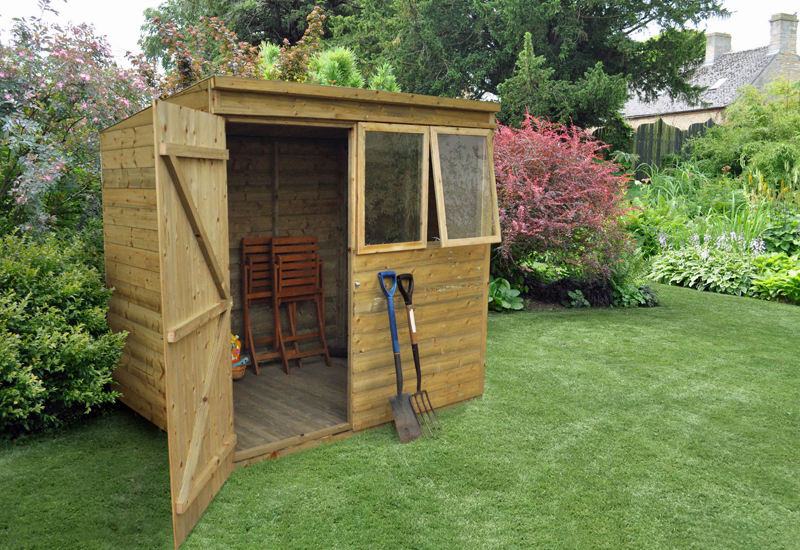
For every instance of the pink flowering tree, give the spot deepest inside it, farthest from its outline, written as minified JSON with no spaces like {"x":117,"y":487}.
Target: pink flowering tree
{"x":59,"y":85}
{"x":195,"y":53}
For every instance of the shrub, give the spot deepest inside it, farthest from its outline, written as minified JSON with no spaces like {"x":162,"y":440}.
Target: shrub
{"x":596,"y":293}
{"x":759,"y":137}
{"x":306,"y":61}
{"x":56,"y":351}
{"x":627,"y":282}
{"x":292,"y":63}
{"x":337,"y":67}
{"x":558,"y":197}
{"x":383,"y":78}
{"x":726,"y":272}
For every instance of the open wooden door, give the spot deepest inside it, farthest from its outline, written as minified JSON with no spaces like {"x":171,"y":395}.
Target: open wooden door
{"x":195,"y":304}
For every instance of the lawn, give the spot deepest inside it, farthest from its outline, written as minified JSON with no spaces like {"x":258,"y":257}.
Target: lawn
{"x":674,"y":427}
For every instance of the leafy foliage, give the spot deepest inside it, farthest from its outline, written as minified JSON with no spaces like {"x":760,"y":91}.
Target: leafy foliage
{"x":467,"y":48}
{"x":576,"y":300}
{"x":306,"y":61}
{"x":678,"y":204}
{"x":783,"y":235}
{"x":337,"y":67}
{"x":558,"y":197}
{"x":778,"y":278}
{"x":502,"y":296}
{"x":760,"y":139}
{"x":292,"y":63}
{"x":266,"y":21}
{"x":767,"y":276}
{"x":627,"y":282}
{"x":588,"y":101}
{"x":58,"y":87}
{"x":197,"y":52}
{"x":721,"y":271}
{"x":627,"y":294}
{"x":56,"y":351}
{"x":383,"y":78}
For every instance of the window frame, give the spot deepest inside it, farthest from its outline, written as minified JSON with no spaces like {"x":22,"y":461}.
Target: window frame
{"x":361,"y":130}
{"x":439,"y":187}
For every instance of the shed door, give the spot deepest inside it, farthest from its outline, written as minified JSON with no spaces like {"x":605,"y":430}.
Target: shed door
{"x":195,"y":304}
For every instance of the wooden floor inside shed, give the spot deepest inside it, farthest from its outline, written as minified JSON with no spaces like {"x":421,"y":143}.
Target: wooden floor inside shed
{"x":274,"y":410}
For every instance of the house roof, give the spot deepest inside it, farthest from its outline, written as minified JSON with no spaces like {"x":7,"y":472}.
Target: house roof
{"x":724,"y":78}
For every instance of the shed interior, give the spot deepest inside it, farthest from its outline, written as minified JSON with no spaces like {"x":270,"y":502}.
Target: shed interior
{"x":287,"y":180}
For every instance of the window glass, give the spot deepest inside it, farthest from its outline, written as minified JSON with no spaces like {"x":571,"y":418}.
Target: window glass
{"x":469,"y":206}
{"x":393,"y":178}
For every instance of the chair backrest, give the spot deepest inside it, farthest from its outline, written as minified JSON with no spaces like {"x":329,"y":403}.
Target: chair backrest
{"x":298,"y":274}
{"x":292,"y":250}
{"x":257,"y":267}
{"x":293,"y":245}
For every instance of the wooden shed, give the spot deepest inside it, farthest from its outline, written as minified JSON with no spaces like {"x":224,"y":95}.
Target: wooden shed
{"x":384,"y":181}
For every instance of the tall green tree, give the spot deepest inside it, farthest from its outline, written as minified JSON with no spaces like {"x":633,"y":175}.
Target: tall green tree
{"x":469,"y":47}
{"x":589,"y":101}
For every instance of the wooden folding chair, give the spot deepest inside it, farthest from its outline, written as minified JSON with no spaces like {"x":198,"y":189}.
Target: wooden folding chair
{"x":298,"y":277}
{"x":257,"y":288}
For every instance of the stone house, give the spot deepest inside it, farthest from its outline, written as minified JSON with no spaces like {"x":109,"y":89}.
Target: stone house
{"x":724,"y":74}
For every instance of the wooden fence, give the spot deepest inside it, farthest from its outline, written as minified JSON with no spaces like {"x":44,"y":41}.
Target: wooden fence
{"x":652,"y":142}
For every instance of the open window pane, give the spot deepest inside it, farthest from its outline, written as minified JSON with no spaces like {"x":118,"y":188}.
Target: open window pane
{"x":395,"y":179}
{"x":465,"y":181}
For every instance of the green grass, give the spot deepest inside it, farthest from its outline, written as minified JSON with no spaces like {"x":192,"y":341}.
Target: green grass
{"x":674,"y":427}
{"x":103,"y":483}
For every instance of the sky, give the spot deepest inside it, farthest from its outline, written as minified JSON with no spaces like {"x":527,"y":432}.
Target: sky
{"x":748,"y":26}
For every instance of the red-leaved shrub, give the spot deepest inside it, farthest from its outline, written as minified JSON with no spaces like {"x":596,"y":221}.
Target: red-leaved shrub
{"x":558,"y":198}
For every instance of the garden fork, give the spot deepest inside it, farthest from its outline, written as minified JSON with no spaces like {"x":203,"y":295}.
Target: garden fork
{"x":420,"y":400}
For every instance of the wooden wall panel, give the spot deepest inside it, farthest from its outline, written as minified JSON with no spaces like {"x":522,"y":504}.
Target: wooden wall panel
{"x":311,"y":200}
{"x":132,"y":263}
{"x":450,"y":298}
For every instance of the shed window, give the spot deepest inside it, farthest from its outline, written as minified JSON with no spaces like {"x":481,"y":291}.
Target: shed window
{"x":393,"y":166}
{"x":464,"y":183}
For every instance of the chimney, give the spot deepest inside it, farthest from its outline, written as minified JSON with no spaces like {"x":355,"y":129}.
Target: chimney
{"x":717,"y":43}
{"x":782,"y":34}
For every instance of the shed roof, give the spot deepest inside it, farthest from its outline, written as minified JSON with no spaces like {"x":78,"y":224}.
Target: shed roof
{"x":341,"y":92}
{"x":731,"y":71}
{"x":247,"y":97}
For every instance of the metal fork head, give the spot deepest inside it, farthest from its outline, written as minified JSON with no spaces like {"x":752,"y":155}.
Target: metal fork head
{"x":424,"y":409}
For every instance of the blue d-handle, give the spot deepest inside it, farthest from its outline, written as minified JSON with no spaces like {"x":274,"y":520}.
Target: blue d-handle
{"x":389,"y":293}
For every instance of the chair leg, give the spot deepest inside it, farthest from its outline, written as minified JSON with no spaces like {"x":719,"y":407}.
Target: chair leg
{"x":248,"y":334}
{"x":293,"y":324}
{"x":276,"y":320}
{"x":281,"y":346}
{"x":320,"y":306}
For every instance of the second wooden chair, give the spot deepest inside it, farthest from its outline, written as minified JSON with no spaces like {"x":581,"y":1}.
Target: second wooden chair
{"x":298,"y":277}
